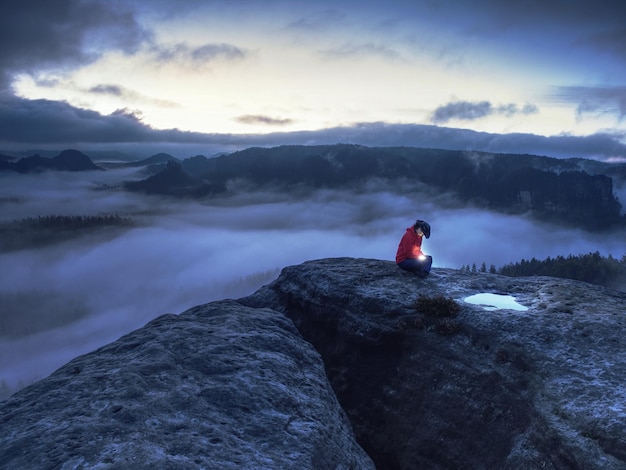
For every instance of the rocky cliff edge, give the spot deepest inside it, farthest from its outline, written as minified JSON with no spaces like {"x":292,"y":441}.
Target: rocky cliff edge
{"x":341,"y":356}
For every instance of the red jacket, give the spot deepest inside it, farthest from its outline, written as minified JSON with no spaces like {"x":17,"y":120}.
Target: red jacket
{"x":410,"y":246}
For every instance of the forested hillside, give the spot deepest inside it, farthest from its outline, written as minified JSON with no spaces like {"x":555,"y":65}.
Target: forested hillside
{"x":40,"y":231}
{"x":594,"y":268}
{"x":571,"y":191}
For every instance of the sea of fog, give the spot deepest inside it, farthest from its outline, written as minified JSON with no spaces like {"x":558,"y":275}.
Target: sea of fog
{"x":185,"y":253}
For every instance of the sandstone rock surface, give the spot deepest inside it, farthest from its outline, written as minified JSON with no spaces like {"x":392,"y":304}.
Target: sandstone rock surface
{"x":241,"y":384}
{"x":541,"y":388}
{"x":220,"y":386}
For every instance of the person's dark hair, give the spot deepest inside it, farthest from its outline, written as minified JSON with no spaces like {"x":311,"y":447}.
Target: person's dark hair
{"x":425,"y":226}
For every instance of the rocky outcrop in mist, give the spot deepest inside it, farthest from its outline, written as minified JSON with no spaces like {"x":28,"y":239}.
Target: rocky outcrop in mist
{"x":173,"y":181}
{"x":341,"y":356}
{"x":67,"y":160}
{"x":572,"y":191}
{"x":575,"y":192}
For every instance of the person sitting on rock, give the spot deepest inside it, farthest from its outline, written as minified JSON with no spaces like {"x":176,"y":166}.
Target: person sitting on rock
{"x":409,"y":255}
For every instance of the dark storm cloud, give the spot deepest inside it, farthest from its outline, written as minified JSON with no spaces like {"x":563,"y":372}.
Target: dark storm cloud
{"x":469,"y":111}
{"x":262,"y":119}
{"x":579,"y":26}
{"x":612,"y":41}
{"x":594,"y":100}
{"x":45,"y":121}
{"x":37,"y":35}
{"x":601,"y":146}
{"x":41,"y":121}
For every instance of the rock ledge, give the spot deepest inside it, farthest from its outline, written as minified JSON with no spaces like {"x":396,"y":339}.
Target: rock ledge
{"x":336,"y":364}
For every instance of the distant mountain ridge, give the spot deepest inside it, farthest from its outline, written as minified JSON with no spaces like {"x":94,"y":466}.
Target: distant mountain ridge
{"x":94,"y":155}
{"x":574,"y":191}
{"x":153,"y":160}
{"x":173,"y":181}
{"x":67,"y":160}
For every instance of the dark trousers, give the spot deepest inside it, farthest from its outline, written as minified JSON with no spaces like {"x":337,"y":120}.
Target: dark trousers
{"x":421,"y":267}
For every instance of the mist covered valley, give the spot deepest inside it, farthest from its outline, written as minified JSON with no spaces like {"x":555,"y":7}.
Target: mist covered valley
{"x":67,"y":298}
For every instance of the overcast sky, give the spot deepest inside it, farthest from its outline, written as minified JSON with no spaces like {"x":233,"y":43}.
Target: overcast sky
{"x":536,"y":76}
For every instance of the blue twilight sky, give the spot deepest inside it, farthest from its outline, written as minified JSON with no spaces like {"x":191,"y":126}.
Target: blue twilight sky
{"x":190,"y":76}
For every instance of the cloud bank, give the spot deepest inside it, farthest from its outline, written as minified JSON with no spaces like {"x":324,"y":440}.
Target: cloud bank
{"x":36,"y":35}
{"x":594,"y":100}
{"x":43,"y":122}
{"x":185,"y":253}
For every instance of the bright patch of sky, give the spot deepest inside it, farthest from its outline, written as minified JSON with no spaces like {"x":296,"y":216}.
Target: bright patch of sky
{"x":248,"y":67}
{"x":316,"y":67}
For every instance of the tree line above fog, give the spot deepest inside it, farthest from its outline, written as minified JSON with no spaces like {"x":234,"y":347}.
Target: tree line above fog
{"x":594,"y":268}
{"x":577,"y":192}
{"x":36,"y":232}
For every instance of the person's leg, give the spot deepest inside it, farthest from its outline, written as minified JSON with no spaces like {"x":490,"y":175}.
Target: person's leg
{"x":421,"y":267}
{"x":426,"y":263}
{"x":410,"y":264}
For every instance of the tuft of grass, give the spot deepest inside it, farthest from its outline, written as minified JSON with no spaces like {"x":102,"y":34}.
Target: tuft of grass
{"x":447,"y":326}
{"x":438,"y":306}
{"x":439,"y":313}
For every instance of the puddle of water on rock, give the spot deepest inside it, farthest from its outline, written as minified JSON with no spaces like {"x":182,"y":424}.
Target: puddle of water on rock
{"x":495,"y":302}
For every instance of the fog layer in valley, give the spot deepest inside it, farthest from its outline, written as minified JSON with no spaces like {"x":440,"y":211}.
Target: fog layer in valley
{"x":64,"y":300}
